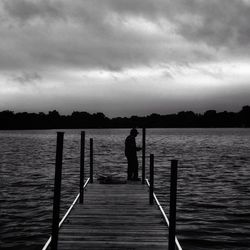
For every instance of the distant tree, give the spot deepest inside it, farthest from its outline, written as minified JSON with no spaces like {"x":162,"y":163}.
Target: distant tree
{"x":100,"y":120}
{"x":244,"y":115}
{"x":186,"y":119}
{"x":210,"y":113}
{"x":53,"y":119}
{"x":24,"y":120}
{"x":7,"y":119}
{"x":54,"y":114}
{"x":209,"y":118}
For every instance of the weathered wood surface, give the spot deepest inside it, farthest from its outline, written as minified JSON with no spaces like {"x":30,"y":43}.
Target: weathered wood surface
{"x":114,"y":216}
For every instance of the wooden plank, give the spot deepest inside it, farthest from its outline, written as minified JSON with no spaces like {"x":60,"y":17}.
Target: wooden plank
{"x":114,"y":216}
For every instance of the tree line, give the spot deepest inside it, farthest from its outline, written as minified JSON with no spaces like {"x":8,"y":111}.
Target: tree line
{"x":184,"y":119}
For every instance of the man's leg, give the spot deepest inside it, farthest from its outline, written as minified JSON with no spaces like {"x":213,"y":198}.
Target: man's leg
{"x":135,"y":169}
{"x":129,"y":172}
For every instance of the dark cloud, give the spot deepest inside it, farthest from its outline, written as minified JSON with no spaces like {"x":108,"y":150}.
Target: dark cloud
{"x":223,"y":24}
{"x":26,"y":78}
{"x":82,"y":35}
{"x":97,"y":34}
{"x":24,"y":10}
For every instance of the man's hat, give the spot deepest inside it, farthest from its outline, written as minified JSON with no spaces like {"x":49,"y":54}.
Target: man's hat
{"x":134,"y":131}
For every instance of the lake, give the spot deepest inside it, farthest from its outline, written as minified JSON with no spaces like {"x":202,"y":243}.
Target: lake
{"x":213,"y":207}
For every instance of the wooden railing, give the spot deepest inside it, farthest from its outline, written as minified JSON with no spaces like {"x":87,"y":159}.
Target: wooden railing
{"x":171,"y":223}
{"x":53,"y":239}
{"x":65,"y":216}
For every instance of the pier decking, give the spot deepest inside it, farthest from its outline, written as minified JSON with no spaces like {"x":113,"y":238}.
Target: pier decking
{"x":114,"y":216}
{"x":125,"y":215}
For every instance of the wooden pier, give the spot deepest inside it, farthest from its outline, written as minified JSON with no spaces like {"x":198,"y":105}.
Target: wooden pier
{"x":114,"y":216}
{"x":120,"y":215}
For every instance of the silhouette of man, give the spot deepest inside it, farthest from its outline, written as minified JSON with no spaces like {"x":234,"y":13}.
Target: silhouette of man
{"x":131,"y":154}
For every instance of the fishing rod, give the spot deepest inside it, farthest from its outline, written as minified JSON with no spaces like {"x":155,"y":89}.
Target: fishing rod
{"x":156,"y":141}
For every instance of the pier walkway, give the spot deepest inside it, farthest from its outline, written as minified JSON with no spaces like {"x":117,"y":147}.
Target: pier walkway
{"x":119,"y":214}
{"x":114,"y":216}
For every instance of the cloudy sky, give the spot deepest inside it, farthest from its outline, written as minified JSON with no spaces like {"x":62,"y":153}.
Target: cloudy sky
{"x":124,"y":57}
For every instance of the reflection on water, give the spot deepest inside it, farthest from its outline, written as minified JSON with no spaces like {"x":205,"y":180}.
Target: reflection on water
{"x":213,"y":185}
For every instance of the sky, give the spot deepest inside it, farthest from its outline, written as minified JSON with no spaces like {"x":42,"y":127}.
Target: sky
{"x":124,"y":57}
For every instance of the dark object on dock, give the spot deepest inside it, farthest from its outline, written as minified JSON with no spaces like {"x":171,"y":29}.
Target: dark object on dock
{"x":111,"y":179}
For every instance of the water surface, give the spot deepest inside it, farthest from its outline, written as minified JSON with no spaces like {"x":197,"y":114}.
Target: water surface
{"x":213,"y":185}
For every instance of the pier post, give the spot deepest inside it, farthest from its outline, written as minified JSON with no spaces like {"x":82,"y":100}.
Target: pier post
{"x":172,"y":208}
{"x":143,"y":154}
{"x":151,"y":179}
{"x":82,"y":157}
{"x":57,"y":190}
{"x":91,"y":160}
